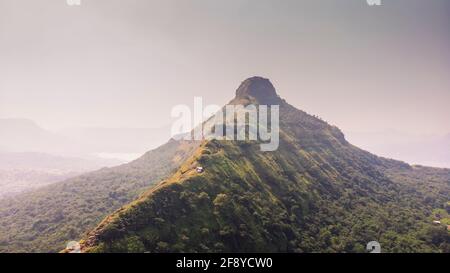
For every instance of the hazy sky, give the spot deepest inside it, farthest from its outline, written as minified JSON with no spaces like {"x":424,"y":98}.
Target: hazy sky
{"x":117,"y":63}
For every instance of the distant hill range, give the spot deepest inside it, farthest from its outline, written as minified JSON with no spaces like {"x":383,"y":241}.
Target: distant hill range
{"x":24,"y":136}
{"x":415,"y":149}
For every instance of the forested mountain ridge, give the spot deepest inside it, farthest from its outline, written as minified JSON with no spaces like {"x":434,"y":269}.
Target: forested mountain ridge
{"x":316,"y":193}
{"x":44,"y":220}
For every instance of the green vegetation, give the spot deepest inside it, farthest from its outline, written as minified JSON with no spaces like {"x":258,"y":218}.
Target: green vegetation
{"x":46,"y":219}
{"x":317,"y":193}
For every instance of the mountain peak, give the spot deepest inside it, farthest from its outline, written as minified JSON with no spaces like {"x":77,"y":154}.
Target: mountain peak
{"x":259,"y":88}
{"x":257,"y":201}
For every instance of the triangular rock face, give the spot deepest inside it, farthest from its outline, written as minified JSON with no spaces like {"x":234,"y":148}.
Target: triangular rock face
{"x":316,"y":193}
{"x":260,"y":89}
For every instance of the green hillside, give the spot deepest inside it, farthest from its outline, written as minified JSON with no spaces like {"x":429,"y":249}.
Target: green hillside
{"x":44,"y":220}
{"x":316,"y":193}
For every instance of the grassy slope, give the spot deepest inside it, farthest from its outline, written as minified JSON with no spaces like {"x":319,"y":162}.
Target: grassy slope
{"x":45,"y":219}
{"x":316,"y":193}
